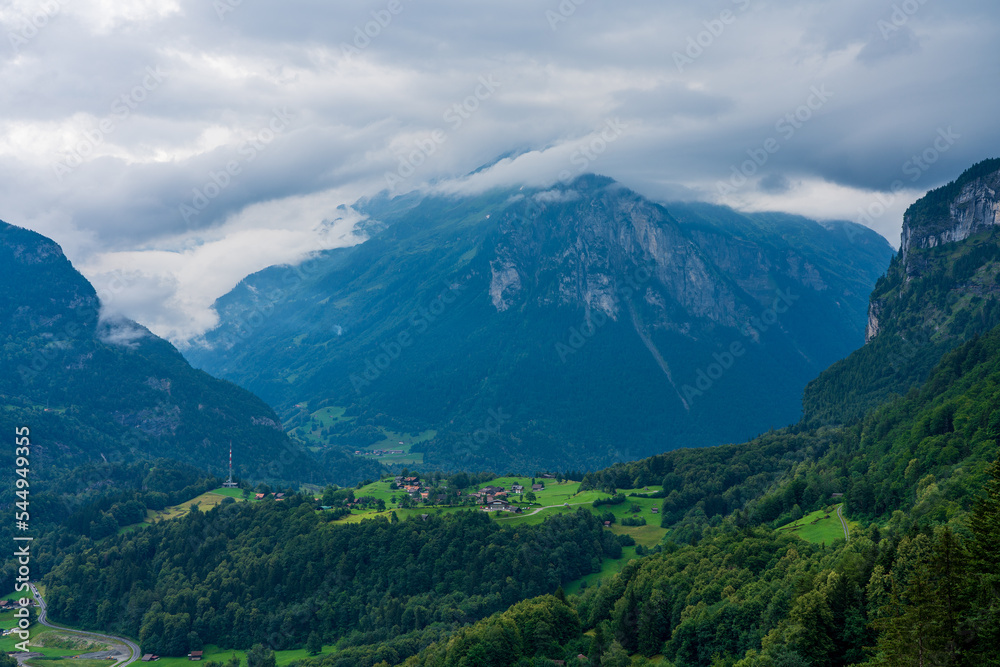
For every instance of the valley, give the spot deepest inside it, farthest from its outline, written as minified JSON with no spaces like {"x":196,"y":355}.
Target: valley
{"x":525,"y":512}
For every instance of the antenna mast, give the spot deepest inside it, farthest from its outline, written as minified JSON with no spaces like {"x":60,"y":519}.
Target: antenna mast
{"x":230,"y":484}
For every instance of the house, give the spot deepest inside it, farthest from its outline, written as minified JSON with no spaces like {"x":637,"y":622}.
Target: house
{"x":548,"y":475}
{"x":607,"y":523}
{"x":836,"y":495}
{"x":516,"y":488}
{"x":500,"y":506}
{"x":279,"y":496}
{"x":656,"y":510}
{"x":260,"y":496}
{"x":195,"y":655}
{"x":496,"y":505}
{"x":147,"y":657}
{"x":537,"y":487}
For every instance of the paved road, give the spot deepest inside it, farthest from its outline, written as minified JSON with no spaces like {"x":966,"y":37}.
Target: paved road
{"x":128,"y":643}
{"x":847,"y":533}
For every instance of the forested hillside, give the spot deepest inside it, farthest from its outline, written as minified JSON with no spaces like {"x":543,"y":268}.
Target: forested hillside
{"x":942,"y":289}
{"x":278,"y":571}
{"x":919,"y":578}
{"x":109,"y":391}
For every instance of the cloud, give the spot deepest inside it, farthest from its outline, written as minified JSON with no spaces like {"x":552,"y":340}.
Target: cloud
{"x":151,"y":107}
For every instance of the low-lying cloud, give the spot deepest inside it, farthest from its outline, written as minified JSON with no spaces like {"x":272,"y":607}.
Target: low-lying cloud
{"x":177,"y":146}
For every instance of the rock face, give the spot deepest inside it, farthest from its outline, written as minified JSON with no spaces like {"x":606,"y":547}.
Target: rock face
{"x":955,"y":212}
{"x":606,"y":325}
{"x":962,"y":209}
{"x":940,"y":290}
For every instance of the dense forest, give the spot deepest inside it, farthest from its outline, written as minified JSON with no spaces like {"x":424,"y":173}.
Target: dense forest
{"x":277,"y":571}
{"x":919,"y":581}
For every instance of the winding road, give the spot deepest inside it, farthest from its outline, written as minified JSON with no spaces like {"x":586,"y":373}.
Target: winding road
{"x":132,"y":647}
{"x":847,"y":533}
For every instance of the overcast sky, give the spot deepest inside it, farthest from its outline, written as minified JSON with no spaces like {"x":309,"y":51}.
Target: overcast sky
{"x":174,"y":146}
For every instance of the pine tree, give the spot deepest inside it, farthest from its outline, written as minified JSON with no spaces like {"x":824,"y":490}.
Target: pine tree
{"x":984,"y":631}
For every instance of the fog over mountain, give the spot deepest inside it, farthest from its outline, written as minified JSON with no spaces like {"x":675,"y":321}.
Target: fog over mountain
{"x":174,"y":147}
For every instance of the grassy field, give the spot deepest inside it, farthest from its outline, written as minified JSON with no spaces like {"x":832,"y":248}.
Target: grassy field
{"x":556,"y":498}
{"x":820,"y":527}
{"x":17,"y":596}
{"x":232,"y":493}
{"x":57,"y":662}
{"x":49,"y":642}
{"x":205,"y":502}
{"x":609,"y":568}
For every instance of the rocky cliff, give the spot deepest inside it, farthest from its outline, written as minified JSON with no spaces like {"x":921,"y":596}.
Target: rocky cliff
{"x":940,"y":290}
{"x":954,"y":212}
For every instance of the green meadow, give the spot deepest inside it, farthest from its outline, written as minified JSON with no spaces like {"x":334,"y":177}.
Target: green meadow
{"x":820,"y":527}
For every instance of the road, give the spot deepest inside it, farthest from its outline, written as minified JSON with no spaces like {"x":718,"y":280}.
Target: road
{"x":539,"y":509}
{"x":847,"y":533}
{"x":133,"y":648}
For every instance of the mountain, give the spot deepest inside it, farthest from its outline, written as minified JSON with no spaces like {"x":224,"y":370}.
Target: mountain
{"x":531,"y":328}
{"x":942,"y":289}
{"x":94,"y":391}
